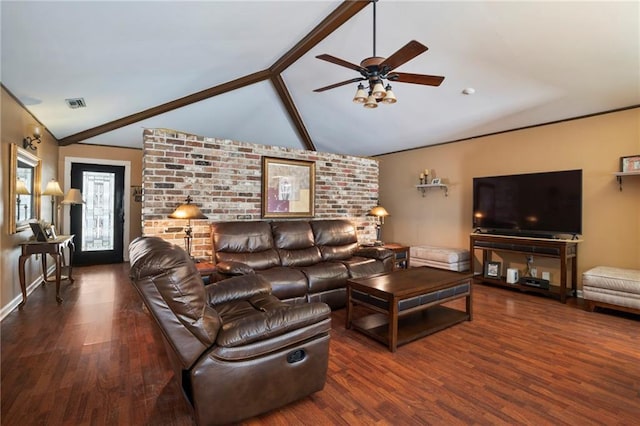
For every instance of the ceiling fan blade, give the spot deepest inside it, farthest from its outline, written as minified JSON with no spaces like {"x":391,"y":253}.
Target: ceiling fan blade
{"x":404,"y":54}
{"x":427,"y":80}
{"x":341,"y":62}
{"x":333,"y":86}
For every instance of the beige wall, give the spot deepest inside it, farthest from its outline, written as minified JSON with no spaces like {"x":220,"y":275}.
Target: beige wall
{"x":15,"y":125}
{"x":611,"y":218}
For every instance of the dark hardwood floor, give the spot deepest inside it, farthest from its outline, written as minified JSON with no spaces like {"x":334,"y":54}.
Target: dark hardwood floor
{"x":524,"y":359}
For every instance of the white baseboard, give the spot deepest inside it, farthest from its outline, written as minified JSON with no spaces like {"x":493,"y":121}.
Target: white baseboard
{"x":6,"y":310}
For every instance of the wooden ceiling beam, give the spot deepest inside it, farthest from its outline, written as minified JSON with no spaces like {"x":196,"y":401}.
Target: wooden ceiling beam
{"x":339,"y":16}
{"x":347,"y":10}
{"x":285,"y":97}
{"x":166,"y":107}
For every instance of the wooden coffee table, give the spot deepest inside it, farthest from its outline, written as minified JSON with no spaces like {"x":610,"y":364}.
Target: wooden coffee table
{"x":407,"y":303}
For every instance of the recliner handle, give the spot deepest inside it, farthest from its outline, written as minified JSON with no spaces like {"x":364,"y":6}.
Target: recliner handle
{"x":296,"y":356}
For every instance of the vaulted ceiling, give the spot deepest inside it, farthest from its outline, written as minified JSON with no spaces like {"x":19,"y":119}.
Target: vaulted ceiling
{"x":247,"y":70}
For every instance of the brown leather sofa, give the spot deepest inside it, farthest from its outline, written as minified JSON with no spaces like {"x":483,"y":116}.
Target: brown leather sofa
{"x":304,"y":261}
{"x":237,"y":351}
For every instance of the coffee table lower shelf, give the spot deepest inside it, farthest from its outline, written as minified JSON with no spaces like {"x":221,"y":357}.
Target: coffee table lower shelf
{"x":412,"y":326}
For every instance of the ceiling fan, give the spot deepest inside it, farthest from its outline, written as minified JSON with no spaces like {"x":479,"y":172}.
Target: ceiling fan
{"x":376,"y":69}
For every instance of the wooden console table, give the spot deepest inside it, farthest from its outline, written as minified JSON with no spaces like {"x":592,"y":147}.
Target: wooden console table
{"x":55,"y":248}
{"x":564,"y":250}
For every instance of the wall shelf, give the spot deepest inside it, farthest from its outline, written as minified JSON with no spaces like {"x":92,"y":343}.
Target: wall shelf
{"x":423,"y":188}
{"x":620,"y":175}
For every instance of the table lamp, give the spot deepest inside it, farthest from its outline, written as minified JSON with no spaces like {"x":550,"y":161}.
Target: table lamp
{"x":53,"y":190}
{"x":379,"y":212}
{"x":73,"y":197}
{"x":187,"y":211}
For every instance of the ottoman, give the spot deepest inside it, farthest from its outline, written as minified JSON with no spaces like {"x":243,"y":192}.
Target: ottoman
{"x":452,"y":259}
{"x":614,"y":288}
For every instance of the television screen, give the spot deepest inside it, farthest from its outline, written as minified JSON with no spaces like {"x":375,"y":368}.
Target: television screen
{"x":533,"y":204}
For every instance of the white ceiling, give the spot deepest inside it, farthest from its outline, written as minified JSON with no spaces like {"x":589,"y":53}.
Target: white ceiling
{"x":529,"y":62}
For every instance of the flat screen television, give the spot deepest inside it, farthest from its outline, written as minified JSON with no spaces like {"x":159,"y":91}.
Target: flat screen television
{"x":542,"y":205}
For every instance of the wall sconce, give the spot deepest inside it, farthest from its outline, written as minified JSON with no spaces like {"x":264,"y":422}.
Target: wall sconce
{"x":28,"y":141}
{"x":380,"y":213}
{"x":188,"y":211}
{"x":53,"y":189}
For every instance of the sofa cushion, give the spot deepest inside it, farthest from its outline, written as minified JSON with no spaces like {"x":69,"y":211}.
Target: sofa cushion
{"x":246,"y":242}
{"x":262,"y":317}
{"x":325,"y":276}
{"x":286,"y":283}
{"x":614,"y":279}
{"x":167,"y":267}
{"x":236,"y":288}
{"x":294,"y":242}
{"x":256,"y":261}
{"x":360,"y":267}
{"x":293,"y":235}
{"x":335,"y":238}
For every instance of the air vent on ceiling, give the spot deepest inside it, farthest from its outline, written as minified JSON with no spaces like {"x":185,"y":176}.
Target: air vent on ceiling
{"x":76,"y":103}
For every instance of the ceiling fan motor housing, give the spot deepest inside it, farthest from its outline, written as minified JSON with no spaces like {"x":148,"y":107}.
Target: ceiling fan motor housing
{"x":372,"y":65}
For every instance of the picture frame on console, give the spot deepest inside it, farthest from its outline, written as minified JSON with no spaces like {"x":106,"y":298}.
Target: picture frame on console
{"x":492,"y":270}
{"x":288,"y":188}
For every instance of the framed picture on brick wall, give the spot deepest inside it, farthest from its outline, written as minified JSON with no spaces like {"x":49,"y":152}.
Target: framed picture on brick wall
{"x":288,"y":188}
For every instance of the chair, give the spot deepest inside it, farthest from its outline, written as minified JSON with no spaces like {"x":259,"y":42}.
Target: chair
{"x":237,"y":350}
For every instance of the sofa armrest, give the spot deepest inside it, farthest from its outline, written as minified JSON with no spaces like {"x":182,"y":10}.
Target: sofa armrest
{"x":230,"y":268}
{"x":378,"y":253}
{"x":273,"y":318}
{"x":236,"y":288}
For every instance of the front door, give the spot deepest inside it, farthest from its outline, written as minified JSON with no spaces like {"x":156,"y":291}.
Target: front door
{"x":98,"y":224}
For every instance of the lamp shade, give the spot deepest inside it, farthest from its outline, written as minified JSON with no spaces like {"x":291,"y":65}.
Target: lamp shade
{"x":187,"y":211}
{"x":378,"y":91}
{"x":53,"y":189}
{"x":378,"y":211}
{"x":21,"y":188}
{"x":361,"y":95}
{"x":74,"y":196}
{"x":390,"y":97}
{"x":371,"y":102}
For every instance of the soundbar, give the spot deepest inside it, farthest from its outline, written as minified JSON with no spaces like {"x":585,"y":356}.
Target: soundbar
{"x":535,"y":282}
{"x":517,"y":247}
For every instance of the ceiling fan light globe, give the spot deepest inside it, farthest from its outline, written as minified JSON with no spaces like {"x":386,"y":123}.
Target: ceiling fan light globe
{"x":378,"y":91}
{"x":361,"y":95}
{"x":390,"y":97}
{"x":371,"y":102}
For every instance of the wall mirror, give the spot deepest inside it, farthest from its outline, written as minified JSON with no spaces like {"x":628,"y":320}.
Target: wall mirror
{"x":24,"y":189}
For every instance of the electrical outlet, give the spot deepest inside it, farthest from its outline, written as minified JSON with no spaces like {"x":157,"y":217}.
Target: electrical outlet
{"x":546,"y":276}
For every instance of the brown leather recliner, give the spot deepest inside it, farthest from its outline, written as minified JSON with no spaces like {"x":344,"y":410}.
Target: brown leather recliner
{"x":237,"y":350}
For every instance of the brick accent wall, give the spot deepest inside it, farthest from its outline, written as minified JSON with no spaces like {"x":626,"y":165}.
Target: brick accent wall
{"x":224,"y":178}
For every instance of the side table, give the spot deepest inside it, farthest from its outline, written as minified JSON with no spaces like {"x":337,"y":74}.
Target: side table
{"x":206,"y":270}
{"x":54,"y":247}
{"x":402,"y":255}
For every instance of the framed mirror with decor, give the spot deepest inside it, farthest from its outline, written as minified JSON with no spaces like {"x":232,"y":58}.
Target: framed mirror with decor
{"x":24,"y":189}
